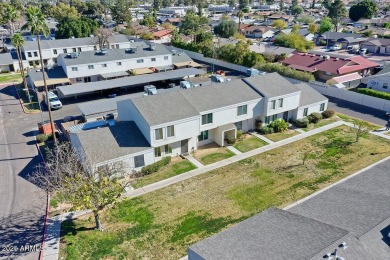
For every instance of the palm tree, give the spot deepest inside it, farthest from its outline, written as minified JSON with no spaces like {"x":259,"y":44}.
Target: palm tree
{"x":17,"y":40}
{"x":11,"y":14}
{"x":35,"y":22}
{"x":240,"y":14}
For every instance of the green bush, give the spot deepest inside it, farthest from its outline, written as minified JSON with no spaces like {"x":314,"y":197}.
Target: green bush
{"x":374,"y":93}
{"x":278,"y":125}
{"x":327,"y":113}
{"x":231,"y":140}
{"x":286,"y":71}
{"x":301,"y":123}
{"x":266,"y":130}
{"x":314,"y":117}
{"x":155,"y":167}
{"x":42,"y":138}
{"x":239,"y":134}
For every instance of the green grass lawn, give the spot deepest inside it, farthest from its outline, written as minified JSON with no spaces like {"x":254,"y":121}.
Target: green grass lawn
{"x":162,"y":224}
{"x":281,"y":135}
{"x":351,"y":119}
{"x":323,"y":122}
{"x":219,"y":155}
{"x":10,"y":77}
{"x":249,"y":143}
{"x":166,"y":172}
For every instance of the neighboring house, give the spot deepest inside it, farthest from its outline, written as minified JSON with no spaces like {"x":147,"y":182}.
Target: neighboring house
{"x":258,"y":7}
{"x":330,"y":68}
{"x":176,"y":10}
{"x":51,"y":49}
{"x":379,"y":81}
{"x":271,"y":49}
{"x":243,"y":26}
{"x":377,"y":45}
{"x":9,"y":62}
{"x":351,"y":41}
{"x":162,"y":34}
{"x":179,"y":122}
{"x":284,"y":17}
{"x":174,"y":21}
{"x":90,"y":65}
{"x":258,"y":32}
{"x":220,"y":9}
{"x":332,"y":37}
{"x":303,"y":32}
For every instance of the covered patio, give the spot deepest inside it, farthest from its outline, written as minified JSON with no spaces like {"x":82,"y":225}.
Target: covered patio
{"x":225,"y":132}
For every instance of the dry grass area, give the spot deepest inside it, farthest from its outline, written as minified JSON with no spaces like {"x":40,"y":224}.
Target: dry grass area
{"x":162,"y":224}
{"x":281,"y":135}
{"x":212,"y":153}
{"x":323,"y":122}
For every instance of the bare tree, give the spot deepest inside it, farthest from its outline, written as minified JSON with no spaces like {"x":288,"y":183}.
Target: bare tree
{"x":104,"y":36}
{"x":306,"y":156}
{"x":361,"y":128}
{"x":76,"y":179}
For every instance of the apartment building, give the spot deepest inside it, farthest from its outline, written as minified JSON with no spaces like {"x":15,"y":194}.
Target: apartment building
{"x":51,"y":49}
{"x":179,"y":122}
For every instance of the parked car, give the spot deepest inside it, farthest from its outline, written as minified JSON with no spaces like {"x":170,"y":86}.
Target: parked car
{"x":335,"y":47}
{"x":363,"y":51}
{"x":52,"y":100}
{"x":217,"y":78}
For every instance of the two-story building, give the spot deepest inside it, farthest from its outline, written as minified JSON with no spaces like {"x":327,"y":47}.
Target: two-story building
{"x":89,"y":66}
{"x":51,"y":49}
{"x":379,"y":81}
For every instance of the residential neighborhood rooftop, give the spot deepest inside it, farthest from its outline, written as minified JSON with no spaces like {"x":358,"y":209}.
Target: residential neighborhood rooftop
{"x":309,"y":95}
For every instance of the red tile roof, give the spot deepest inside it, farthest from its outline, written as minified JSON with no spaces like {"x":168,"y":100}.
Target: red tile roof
{"x":338,"y":66}
{"x":162,"y":33}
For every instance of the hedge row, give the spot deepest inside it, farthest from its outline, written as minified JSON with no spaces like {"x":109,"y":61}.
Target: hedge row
{"x":286,"y":71}
{"x":154,"y":167}
{"x":374,"y":93}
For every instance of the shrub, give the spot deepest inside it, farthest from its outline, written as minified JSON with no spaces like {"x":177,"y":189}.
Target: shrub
{"x":266,"y":130}
{"x":258,"y":125}
{"x":374,"y":93}
{"x":286,"y":71}
{"x":314,"y":117}
{"x":42,"y":138}
{"x":154,"y":167}
{"x":327,"y":113}
{"x":231,"y":140}
{"x":239,"y":134}
{"x":278,"y":125}
{"x":301,"y":123}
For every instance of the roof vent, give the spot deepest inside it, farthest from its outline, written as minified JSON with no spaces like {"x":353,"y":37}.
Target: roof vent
{"x":74,"y":55}
{"x":152,"y":46}
{"x":326,"y":57}
{"x":336,"y":59}
{"x":104,"y":51}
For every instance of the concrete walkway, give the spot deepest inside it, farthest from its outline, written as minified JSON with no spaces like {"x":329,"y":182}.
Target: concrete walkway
{"x":194,"y":161}
{"x":382,"y":133}
{"x":234,"y":150}
{"x":262,"y":138}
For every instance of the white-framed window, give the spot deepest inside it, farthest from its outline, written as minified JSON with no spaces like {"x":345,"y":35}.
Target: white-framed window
{"x":204,"y":135}
{"x":322,"y":107}
{"x":91,"y":67}
{"x":242,"y":110}
{"x":75,"y":69}
{"x":273,"y":104}
{"x":207,"y":119}
{"x":170,"y":131}
{"x":168,"y":149}
{"x":385,"y":85}
{"x":65,"y":50}
{"x":117,"y":46}
{"x":29,"y":54}
{"x":153,"y":59}
{"x":104,"y":65}
{"x":79,"y":48}
{"x":55,"y":51}
{"x":74,"y":50}
{"x":157,"y":151}
{"x":280,"y":102}
{"x":165,"y":57}
{"x":305,"y":111}
{"x":158,"y":134}
{"x":267,"y":119}
{"x":274,"y":117}
{"x":140,"y":61}
{"x":139,"y":161}
{"x":35,"y":54}
{"x":79,"y":80}
{"x":119,"y":63}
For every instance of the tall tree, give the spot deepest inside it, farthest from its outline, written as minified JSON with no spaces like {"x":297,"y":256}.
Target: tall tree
{"x":36,"y":23}
{"x":337,"y":12}
{"x":157,"y":4}
{"x":193,"y":24}
{"x":80,"y":6}
{"x":279,"y":24}
{"x":17,"y":40}
{"x":120,"y":11}
{"x":94,"y":8}
{"x":148,"y":21}
{"x":243,"y":4}
{"x":297,"y":10}
{"x":77,"y":28}
{"x":11,"y":15}
{"x":312,"y":28}
{"x":365,"y":9}
{"x":326,"y":25}
{"x":240,"y":14}
{"x":226,"y":28}
{"x":61,"y":11}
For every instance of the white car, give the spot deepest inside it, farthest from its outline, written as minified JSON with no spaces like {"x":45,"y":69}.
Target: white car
{"x":335,"y":47}
{"x":52,"y":100}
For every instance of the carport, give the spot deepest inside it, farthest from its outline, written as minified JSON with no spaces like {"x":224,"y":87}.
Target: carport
{"x":126,"y":82}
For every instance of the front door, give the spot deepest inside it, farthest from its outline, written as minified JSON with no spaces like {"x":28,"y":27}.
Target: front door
{"x":285,"y":116}
{"x":184,"y":146}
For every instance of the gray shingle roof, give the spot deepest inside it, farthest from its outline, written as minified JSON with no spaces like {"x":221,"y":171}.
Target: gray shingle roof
{"x":68,"y":43}
{"x":272,"y":234}
{"x":55,"y":73}
{"x":272,"y":85}
{"x":90,"y":57}
{"x":6,"y":59}
{"x":220,"y":95}
{"x":160,"y":109}
{"x":183,"y":57}
{"x":309,"y":95}
{"x":107,"y":143}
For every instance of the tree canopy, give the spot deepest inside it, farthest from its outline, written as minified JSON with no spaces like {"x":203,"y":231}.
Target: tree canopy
{"x":193,"y":24}
{"x":78,"y":28}
{"x":295,"y":41}
{"x":226,"y":28}
{"x":326,"y":25}
{"x":296,"y":10}
{"x":365,"y":9}
{"x":120,"y":11}
{"x":279,"y":24}
{"x":61,"y":11}
{"x":148,"y":20}
{"x":336,"y":12}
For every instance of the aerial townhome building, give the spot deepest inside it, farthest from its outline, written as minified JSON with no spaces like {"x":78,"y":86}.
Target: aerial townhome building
{"x":179,"y":122}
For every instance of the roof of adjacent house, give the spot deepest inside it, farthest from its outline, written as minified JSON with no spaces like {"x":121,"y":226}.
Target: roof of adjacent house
{"x":271,"y":49}
{"x":309,"y":95}
{"x":93,"y":57}
{"x":68,"y":43}
{"x":352,"y":39}
{"x":7,"y":59}
{"x":378,"y":42}
{"x":338,"y":66}
{"x":272,"y":234}
{"x":271,"y":85}
{"x":55,"y":75}
{"x":162,"y":33}
{"x":339,"y":35}
{"x":256,"y":28}
{"x":302,"y":32}
{"x":111,"y":142}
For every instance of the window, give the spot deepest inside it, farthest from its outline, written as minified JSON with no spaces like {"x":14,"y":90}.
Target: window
{"x":322,"y":107}
{"x":117,"y":46}
{"x":158,"y":134}
{"x":204,"y":135}
{"x":165,"y":57}
{"x":305,"y":112}
{"x":55,"y":51}
{"x":170,"y":131}
{"x":168,"y":149}
{"x":35,"y":54}
{"x":104,"y":65}
{"x":65,"y":51}
{"x":79,"y":49}
{"x":157,"y":151}
{"x":280,"y":102}
{"x":119,"y":63}
{"x":29,"y":54}
{"x":385,"y":85}
{"x":140,"y":61}
{"x":79,"y":79}
{"x":31,"y":63}
{"x":75,"y":69}
{"x":139,"y":161}
{"x":267,"y":119}
{"x":241,"y":110}
{"x":95,"y":48}
{"x":153,"y":59}
{"x":274,"y":117}
{"x":207,"y":119}
{"x":74,"y":50}
{"x":238,"y":125}
{"x":90,"y":67}
{"x":273,"y":104}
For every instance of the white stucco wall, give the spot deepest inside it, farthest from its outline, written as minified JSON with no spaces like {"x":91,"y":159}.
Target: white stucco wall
{"x":290,"y":102}
{"x":298,"y":113}
{"x":377,"y":83}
